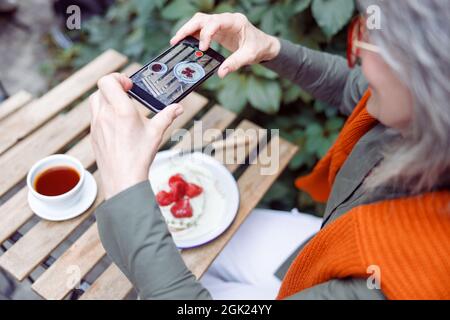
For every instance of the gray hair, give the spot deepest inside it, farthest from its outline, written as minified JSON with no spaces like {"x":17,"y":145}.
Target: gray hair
{"x":415,"y":42}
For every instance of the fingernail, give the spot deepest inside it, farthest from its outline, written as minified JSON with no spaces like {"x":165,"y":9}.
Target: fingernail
{"x":179,"y":110}
{"x":224,"y":72}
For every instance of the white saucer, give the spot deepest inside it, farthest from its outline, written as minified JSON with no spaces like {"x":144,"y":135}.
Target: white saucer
{"x":89,"y":193}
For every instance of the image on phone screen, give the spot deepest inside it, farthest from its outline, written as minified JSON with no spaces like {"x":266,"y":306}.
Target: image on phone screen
{"x":176,"y":71}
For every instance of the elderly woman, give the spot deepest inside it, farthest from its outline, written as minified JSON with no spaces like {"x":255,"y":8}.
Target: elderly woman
{"x":386,"y":180}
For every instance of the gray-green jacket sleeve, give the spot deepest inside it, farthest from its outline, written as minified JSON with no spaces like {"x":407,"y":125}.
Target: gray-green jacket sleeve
{"x":340,"y":289}
{"x":327,"y":77}
{"x":136,"y":238}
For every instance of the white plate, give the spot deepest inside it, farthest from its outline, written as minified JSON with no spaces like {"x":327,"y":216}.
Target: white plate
{"x":46,"y":212}
{"x":230,"y":191}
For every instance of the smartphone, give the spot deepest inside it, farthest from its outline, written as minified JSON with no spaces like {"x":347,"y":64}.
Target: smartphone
{"x":173,"y":74}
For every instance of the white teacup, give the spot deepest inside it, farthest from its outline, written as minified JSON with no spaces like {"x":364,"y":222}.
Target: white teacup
{"x":64,"y":200}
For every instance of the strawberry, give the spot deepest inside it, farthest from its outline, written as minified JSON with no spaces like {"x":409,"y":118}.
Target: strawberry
{"x":193,"y":190}
{"x":178,"y":186}
{"x":178,"y":190}
{"x":176,"y":178}
{"x":182,"y":209}
{"x":164,"y":198}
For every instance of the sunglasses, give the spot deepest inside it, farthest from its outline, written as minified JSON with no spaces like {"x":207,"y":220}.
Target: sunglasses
{"x":357,"y":40}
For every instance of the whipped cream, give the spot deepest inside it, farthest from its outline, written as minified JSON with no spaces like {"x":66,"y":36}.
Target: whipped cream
{"x":207,"y":208}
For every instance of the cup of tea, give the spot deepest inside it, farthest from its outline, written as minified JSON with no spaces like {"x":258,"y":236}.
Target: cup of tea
{"x":57,"y":181}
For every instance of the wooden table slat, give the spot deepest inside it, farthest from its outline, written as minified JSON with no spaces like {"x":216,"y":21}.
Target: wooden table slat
{"x":48,"y":139}
{"x":35,"y":245}
{"x":14,"y":103}
{"x":30,"y":117}
{"x":111,"y":285}
{"x":105,"y":286}
{"x":68,"y":270}
{"x":54,"y":282}
{"x":232,"y":160}
{"x":217,"y":118}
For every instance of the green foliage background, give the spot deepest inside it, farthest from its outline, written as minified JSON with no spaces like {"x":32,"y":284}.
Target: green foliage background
{"x":142,"y":28}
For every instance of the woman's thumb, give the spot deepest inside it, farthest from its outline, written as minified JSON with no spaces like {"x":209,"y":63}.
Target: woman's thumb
{"x":163,"y":119}
{"x":125,"y":81}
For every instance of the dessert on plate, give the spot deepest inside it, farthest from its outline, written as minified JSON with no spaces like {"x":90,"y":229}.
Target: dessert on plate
{"x":188,"y":194}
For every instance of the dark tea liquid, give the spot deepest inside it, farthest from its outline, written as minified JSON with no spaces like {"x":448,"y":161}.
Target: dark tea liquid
{"x":56,"y":181}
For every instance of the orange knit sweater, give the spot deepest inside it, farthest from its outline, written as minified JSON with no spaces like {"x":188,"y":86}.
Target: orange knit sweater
{"x":319,"y":182}
{"x":406,"y":239}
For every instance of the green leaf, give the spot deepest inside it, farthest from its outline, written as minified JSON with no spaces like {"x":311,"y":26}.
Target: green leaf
{"x":178,"y":9}
{"x":204,"y":5}
{"x":332,"y":138}
{"x":314,"y":130}
{"x":300,"y":5}
{"x":233,"y":93}
{"x":334,"y":124}
{"x":179,"y":24}
{"x":294,"y":92}
{"x":322,"y":107}
{"x":259,"y":1}
{"x":256,"y":14}
{"x":213,"y":83}
{"x":264,"y":95}
{"x":159,"y":3}
{"x":332,"y":15}
{"x":323,"y":145}
{"x":311,"y":146}
{"x":120,"y":13}
{"x":281,"y":122}
{"x":298,"y":160}
{"x":274,"y":21}
{"x":224,"y":7}
{"x":291,"y":94}
{"x":143,"y":7}
{"x":261,"y":71}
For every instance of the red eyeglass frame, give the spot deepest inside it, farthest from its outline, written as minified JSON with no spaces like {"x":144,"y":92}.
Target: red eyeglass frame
{"x":355,"y":41}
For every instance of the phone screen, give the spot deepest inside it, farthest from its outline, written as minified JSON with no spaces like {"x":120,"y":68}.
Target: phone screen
{"x":175,"y":72}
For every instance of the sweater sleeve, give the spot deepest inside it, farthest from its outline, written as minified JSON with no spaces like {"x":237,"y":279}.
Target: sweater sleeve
{"x":327,"y":77}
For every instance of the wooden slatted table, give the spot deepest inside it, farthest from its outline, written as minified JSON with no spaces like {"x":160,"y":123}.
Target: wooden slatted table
{"x":58,"y":122}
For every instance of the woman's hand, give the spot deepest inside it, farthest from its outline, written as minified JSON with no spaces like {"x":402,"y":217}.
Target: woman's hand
{"x":234,"y":32}
{"x":124,"y":142}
